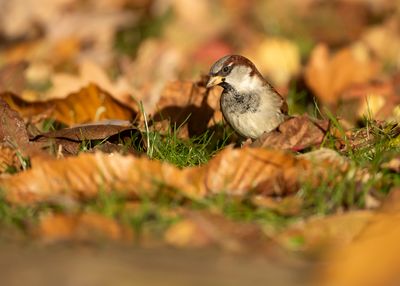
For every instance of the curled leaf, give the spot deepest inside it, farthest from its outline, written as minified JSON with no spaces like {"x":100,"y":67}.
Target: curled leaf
{"x":233,"y":171}
{"x":297,"y":133}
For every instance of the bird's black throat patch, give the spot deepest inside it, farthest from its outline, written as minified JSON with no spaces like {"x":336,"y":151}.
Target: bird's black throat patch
{"x":235,"y":102}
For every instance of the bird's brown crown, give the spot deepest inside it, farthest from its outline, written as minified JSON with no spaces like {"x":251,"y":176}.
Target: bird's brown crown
{"x":225,"y":64}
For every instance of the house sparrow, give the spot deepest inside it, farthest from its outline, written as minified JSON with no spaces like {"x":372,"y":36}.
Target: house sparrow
{"x":248,"y":102}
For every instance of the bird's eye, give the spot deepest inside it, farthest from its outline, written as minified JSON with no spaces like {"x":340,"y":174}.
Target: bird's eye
{"x":225,"y":69}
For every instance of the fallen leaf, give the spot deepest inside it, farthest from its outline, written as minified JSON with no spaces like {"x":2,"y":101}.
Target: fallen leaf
{"x":329,"y":75}
{"x":320,"y":233}
{"x":326,"y":155}
{"x":200,"y":229}
{"x":233,"y":171}
{"x":25,"y":109}
{"x":363,"y":137}
{"x":90,"y":131}
{"x":156,"y":64}
{"x":87,"y":105}
{"x":384,"y":41}
{"x":69,"y":141}
{"x":12,"y":127}
{"x":190,"y":106}
{"x":13,"y":133}
{"x":12,"y":77}
{"x":64,"y":84}
{"x":296,"y":133}
{"x":372,"y":258}
{"x":375,"y":100}
{"x":85,"y":226}
{"x":278,"y":59}
{"x":108,"y":147}
{"x":186,"y":233}
{"x":8,"y":159}
{"x":262,"y":171}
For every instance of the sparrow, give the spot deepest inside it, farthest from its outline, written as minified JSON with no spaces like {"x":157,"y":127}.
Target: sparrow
{"x":248,"y":102}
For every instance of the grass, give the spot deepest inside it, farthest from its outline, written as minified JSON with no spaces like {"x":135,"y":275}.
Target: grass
{"x":242,"y":209}
{"x":17,"y":217}
{"x":349,"y":190}
{"x":185,"y":152}
{"x":337,"y":191}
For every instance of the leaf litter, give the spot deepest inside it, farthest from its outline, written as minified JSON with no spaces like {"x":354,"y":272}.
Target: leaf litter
{"x":80,"y":126}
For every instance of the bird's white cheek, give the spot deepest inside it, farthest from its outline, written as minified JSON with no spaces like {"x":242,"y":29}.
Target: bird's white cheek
{"x":245,"y":83}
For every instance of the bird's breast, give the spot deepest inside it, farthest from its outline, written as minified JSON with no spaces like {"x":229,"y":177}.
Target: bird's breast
{"x":249,"y":115}
{"x":233,"y":102}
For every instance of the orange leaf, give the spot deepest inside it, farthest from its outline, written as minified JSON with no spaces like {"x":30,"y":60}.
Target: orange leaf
{"x":201,"y":229}
{"x":329,"y":75}
{"x":89,"y":104}
{"x":372,"y":258}
{"x":84,"y":226}
{"x":234,"y":171}
{"x":267,"y":172}
{"x":189,"y":103}
{"x":319,"y":232}
{"x":296,"y":133}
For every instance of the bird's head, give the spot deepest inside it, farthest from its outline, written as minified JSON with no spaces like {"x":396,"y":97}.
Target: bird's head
{"x":235,"y":71}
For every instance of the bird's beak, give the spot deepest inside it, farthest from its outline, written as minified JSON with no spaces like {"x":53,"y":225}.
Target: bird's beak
{"x":214,"y":80}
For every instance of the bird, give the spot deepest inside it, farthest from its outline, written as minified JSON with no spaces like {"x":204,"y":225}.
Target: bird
{"x":249,"y":104}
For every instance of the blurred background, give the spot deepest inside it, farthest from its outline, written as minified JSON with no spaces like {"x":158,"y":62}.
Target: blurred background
{"x":337,"y":55}
{"x":338,"y":50}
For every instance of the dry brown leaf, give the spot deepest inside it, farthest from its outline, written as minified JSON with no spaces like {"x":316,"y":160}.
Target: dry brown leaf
{"x":85,"y":226}
{"x":278,"y":59}
{"x":85,"y":175}
{"x":234,"y":171}
{"x":376,"y":100}
{"x":24,"y":108}
{"x":68,"y":141}
{"x":327,"y":156}
{"x":8,"y":158}
{"x":372,"y":258}
{"x":189,"y":103}
{"x":329,"y":75}
{"x":363,"y":137}
{"x":87,"y":105}
{"x":90,"y":131}
{"x":296,"y":133}
{"x":201,"y":229}
{"x":12,"y":128}
{"x":187,"y":234}
{"x":266,"y":172}
{"x":64,"y":84}
{"x":157,"y":63}
{"x":12,"y":77}
{"x":319,"y":233}
{"x":384,"y":41}
{"x":13,"y":133}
